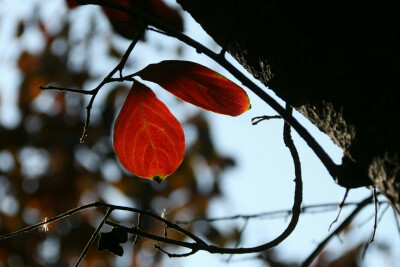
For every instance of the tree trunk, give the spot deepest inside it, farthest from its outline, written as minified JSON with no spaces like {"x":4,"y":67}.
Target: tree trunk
{"x":338,"y":63}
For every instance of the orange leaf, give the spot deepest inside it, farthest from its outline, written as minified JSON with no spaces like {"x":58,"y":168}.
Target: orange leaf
{"x":148,"y":140}
{"x":198,"y":85}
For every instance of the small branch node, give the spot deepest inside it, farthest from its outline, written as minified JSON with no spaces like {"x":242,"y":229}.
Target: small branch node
{"x":171,"y":255}
{"x":62,"y":89}
{"x":135,"y":240}
{"x":256,"y":120}
{"x":341,"y":205}
{"x":375,"y":199}
{"x":166,"y":231}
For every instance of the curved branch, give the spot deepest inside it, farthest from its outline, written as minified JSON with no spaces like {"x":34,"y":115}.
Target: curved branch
{"x":296,"y":210}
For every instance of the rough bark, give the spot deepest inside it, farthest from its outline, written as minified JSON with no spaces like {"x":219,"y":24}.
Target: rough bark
{"x":338,"y":63}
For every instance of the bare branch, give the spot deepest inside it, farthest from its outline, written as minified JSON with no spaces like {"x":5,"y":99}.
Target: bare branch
{"x":62,"y":89}
{"x":136,"y":231}
{"x":376,"y":221}
{"x":396,"y":219}
{"x":340,"y":208}
{"x":256,"y":120}
{"x":59,"y":217}
{"x":92,"y":238}
{"x":376,"y":213}
{"x":311,"y":209}
{"x":119,"y":68}
{"x":138,"y":226}
{"x":340,"y":228}
{"x":171,"y":255}
{"x":246,"y":222}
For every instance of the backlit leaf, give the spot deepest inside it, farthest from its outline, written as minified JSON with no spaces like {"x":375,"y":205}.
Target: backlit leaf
{"x":198,"y":85}
{"x":148,"y":140}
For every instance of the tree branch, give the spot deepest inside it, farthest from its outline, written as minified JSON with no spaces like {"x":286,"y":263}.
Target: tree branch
{"x":340,"y":208}
{"x":91,"y":240}
{"x":120,"y":66}
{"x":340,"y":228}
{"x":296,"y":210}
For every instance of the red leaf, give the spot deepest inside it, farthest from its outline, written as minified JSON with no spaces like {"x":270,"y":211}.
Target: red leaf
{"x":148,"y":140}
{"x":198,"y":85}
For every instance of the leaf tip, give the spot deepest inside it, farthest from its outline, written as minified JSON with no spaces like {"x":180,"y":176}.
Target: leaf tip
{"x":157,"y":178}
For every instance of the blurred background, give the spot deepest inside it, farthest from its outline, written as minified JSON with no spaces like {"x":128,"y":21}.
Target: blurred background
{"x":230,"y":167}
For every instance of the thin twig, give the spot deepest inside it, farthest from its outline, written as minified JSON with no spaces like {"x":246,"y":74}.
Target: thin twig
{"x":246,"y":222}
{"x":93,"y":237}
{"x":59,"y":217}
{"x":171,"y":255}
{"x":340,"y":228}
{"x":340,"y":208}
{"x":166,"y":231}
{"x":376,"y":213}
{"x":396,"y":219}
{"x":375,"y":199}
{"x":135,"y":231}
{"x":138,"y":226}
{"x":119,"y":68}
{"x":256,"y":120}
{"x":383,"y":213}
{"x":62,"y":89}
{"x":324,"y":207}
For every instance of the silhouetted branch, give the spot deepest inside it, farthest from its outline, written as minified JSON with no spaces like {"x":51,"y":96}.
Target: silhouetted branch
{"x":92,"y":238}
{"x":51,"y":220}
{"x":340,"y":208}
{"x":340,"y":228}
{"x":374,"y":196}
{"x":62,"y":89}
{"x":171,"y":255}
{"x":246,"y":222}
{"x":259,"y":119}
{"x":120,"y":66}
{"x":310,"y":209}
{"x":396,"y":219}
{"x":376,"y":221}
{"x":138,"y":226}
